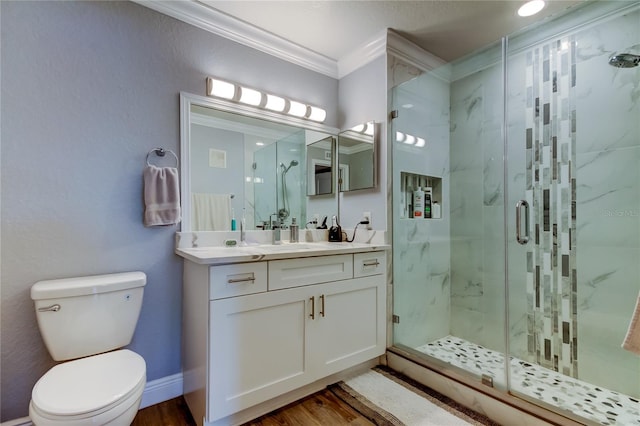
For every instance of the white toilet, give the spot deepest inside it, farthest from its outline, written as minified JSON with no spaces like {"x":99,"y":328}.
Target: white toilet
{"x":79,"y":318}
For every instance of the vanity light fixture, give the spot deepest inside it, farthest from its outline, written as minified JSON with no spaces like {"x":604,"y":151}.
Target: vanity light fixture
{"x":365,"y":128}
{"x":248,"y":96}
{"x":410,"y":140}
{"x":531,"y":8}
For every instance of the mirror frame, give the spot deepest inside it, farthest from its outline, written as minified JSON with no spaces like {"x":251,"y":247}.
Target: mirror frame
{"x":189,"y":99}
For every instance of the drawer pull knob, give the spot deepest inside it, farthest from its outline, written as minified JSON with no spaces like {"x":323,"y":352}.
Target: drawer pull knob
{"x":371,"y":263}
{"x":241,"y":280}
{"x":312,"y":315}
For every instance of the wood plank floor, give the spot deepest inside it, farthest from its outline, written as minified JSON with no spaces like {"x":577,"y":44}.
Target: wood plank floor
{"x":321,"y":408}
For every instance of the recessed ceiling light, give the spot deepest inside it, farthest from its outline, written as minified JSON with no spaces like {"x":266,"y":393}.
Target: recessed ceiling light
{"x":407,"y":106}
{"x":531,"y":8}
{"x":260,"y":143}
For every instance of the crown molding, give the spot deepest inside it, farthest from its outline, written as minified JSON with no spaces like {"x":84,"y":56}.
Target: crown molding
{"x":411,"y":53}
{"x":202,"y":16}
{"x":363,"y":55}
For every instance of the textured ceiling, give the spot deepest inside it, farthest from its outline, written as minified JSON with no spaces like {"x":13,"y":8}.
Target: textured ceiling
{"x":447,"y":28}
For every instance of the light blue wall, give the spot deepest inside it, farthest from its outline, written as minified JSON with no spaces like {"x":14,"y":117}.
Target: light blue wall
{"x":363,"y":98}
{"x":88,"y":88}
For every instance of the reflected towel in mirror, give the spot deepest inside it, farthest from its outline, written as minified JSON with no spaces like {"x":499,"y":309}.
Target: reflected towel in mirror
{"x":632,"y":339}
{"x":210,"y":212}
{"x":161,"y":196}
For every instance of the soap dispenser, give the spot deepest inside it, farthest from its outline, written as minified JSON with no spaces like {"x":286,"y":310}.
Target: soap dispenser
{"x":335,"y":232}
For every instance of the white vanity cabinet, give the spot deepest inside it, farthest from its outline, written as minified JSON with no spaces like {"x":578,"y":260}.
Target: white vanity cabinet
{"x":257,"y":330}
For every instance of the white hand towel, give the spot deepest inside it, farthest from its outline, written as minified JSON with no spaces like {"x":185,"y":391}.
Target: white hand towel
{"x":632,"y":339}
{"x":210,"y":212}
{"x":161,"y":196}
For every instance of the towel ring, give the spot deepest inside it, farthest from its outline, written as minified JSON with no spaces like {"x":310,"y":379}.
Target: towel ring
{"x":160,"y":152}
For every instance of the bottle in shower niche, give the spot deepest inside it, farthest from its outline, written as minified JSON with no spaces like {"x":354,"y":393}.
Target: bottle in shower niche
{"x":427,"y":202}
{"x":418,"y":203}
{"x":436,"y":210}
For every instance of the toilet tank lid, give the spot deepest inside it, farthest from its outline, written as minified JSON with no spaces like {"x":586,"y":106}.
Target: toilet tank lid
{"x":80,"y":286}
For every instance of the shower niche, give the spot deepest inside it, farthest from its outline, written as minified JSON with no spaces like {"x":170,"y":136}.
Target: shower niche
{"x":420,"y":196}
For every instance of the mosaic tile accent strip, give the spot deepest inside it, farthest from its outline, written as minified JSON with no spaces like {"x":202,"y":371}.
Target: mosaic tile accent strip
{"x":591,"y":402}
{"x":550,"y":139}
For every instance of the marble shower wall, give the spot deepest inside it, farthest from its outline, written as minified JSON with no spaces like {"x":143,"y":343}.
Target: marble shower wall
{"x":421,"y":246}
{"x":477,"y":208}
{"x":580,"y":311}
{"x":608,"y":202}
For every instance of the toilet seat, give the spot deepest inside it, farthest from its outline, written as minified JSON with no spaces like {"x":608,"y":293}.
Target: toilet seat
{"x":88,"y":387}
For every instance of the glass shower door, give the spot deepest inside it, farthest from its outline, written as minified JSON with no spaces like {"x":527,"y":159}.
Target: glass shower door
{"x":574,"y":187}
{"x":449,"y":271}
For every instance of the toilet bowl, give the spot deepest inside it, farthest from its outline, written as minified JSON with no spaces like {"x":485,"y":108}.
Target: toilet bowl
{"x":103,"y":389}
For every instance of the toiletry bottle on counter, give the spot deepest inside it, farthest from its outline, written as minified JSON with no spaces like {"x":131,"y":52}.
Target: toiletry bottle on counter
{"x":418,"y":203}
{"x":294,"y":231}
{"x":233,"y":220}
{"x":427,"y":202}
{"x":436,"y":210}
{"x":335,"y":232}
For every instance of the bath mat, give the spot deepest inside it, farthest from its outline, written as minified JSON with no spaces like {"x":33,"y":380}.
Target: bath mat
{"x":387,"y":398}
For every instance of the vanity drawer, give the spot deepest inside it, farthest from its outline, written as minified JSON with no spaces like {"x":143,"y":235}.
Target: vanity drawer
{"x":237,"y":280}
{"x":289,"y":273}
{"x":367,"y":264}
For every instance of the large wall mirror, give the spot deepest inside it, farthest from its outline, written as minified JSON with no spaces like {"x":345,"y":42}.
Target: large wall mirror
{"x":357,"y":157}
{"x":239,"y":161}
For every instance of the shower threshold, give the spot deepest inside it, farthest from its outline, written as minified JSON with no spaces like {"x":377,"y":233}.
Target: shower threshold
{"x":591,"y":402}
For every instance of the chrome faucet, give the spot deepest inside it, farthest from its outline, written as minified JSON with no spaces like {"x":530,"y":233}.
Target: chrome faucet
{"x":275,"y":233}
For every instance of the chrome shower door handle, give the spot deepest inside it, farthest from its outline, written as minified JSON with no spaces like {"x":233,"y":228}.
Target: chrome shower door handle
{"x":519,"y":207}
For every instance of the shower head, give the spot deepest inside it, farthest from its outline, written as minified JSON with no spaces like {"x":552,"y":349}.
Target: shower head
{"x":291,"y":164}
{"x":624,"y":60}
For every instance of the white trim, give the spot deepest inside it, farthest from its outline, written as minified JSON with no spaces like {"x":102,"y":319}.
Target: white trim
{"x":411,"y":53}
{"x":202,"y":16}
{"x":162,"y":389}
{"x":155,"y":392}
{"x":363,"y":55}
{"x":24,"y":421}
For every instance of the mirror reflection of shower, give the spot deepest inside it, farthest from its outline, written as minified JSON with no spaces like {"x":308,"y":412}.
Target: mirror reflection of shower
{"x":283,"y":213}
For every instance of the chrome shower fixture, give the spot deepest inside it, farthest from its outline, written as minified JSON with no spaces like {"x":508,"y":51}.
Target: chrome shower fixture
{"x":624,"y":60}
{"x":291,"y":164}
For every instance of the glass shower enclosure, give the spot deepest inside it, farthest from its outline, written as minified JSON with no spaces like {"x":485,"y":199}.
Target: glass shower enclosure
{"x":516,"y":214}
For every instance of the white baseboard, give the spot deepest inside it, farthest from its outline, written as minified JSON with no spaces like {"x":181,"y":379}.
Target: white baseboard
{"x":155,"y":392}
{"x":160,"y":390}
{"x":24,"y":421}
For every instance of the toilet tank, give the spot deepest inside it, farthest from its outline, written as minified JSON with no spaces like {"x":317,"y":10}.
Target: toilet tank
{"x":84,"y":316}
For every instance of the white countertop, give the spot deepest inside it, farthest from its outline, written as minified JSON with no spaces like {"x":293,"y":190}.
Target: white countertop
{"x":218,"y":255}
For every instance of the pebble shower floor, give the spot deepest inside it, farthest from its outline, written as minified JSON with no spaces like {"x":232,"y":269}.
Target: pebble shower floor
{"x":591,"y":402}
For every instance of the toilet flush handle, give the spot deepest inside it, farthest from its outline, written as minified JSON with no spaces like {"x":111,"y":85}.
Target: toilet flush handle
{"x":54,"y":308}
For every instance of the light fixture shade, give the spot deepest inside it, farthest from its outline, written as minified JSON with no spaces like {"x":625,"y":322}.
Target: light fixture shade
{"x":410,"y":140}
{"x":297,"y":109}
{"x":236,"y":93}
{"x":275,"y":103}
{"x":420,"y":142}
{"x":531,"y":8}
{"x":317,"y":114}
{"x":400,"y":136}
{"x":250,"y":96}
{"x":220,"y":89}
{"x":368,"y":130}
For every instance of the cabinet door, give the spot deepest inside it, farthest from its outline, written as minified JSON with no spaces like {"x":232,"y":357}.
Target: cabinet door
{"x":257,"y":349}
{"x":350,"y":324}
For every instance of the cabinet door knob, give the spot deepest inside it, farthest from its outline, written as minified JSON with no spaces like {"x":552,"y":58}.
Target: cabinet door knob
{"x":312,"y":315}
